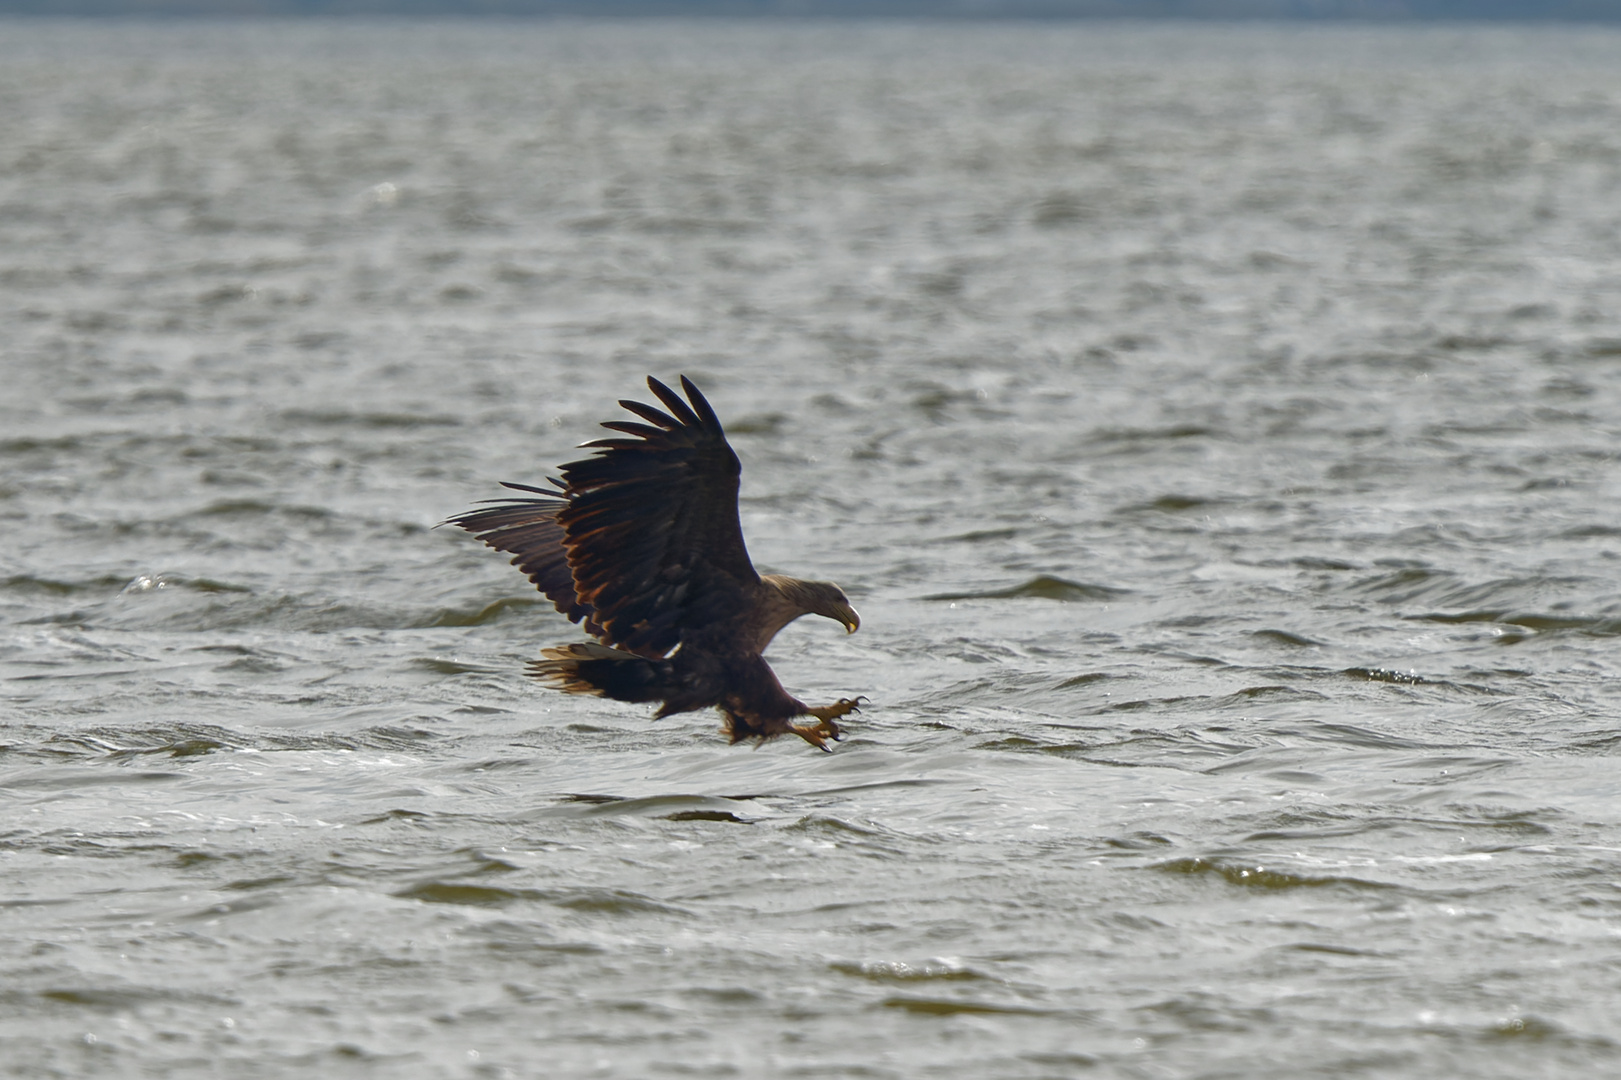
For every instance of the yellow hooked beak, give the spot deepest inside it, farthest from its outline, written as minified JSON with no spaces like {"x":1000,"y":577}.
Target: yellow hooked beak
{"x":851,"y":621}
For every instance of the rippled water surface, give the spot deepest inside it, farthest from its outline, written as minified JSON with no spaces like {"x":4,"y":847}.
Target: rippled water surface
{"x":1217,"y":428}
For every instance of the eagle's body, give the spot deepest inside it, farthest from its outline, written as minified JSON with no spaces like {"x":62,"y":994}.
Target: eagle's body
{"x":642,"y":546}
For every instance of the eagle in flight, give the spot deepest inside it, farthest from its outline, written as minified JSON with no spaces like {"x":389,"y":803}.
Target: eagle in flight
{"x":641,"y":545}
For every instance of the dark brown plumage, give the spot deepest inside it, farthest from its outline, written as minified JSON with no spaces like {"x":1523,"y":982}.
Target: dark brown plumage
{"x":641,"y":545}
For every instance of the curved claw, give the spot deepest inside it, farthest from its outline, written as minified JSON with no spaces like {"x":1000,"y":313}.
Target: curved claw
{"x":839,"y":708}
{"x":818,"y":734}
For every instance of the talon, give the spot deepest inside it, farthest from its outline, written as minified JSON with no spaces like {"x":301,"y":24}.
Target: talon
{"x":818,"y":734}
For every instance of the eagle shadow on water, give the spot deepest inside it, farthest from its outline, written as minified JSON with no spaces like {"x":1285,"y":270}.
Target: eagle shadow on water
{"x":641,"y":545}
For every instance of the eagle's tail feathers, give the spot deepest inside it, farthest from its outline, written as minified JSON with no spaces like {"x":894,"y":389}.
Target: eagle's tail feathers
{"x":599,"y":671}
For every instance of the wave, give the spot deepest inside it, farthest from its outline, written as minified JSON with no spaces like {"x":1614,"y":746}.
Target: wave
{"x":1255,"y":876}
{"x":1042,"y":587}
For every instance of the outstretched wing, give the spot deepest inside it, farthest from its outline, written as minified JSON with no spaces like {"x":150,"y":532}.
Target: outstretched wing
{"x":529,"y":529}
{"x":651,"y":527}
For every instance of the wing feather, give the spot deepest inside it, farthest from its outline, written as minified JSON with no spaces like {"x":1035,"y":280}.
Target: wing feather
{"x":706,"y":414}
{"x":679,"y":408}
{"x":651,"y":527}
{"x":641,"y":431}
{"x":650,"y":414}
{"x":529,"y":529}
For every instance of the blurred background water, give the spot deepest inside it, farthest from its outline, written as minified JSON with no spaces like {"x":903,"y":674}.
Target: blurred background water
{"x":1216,"y":426}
